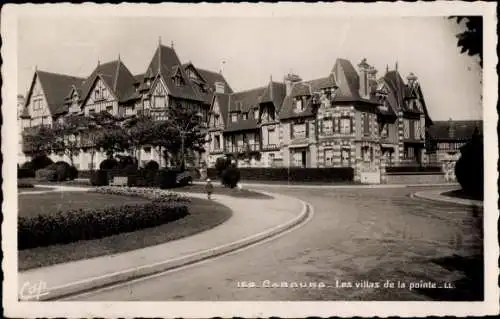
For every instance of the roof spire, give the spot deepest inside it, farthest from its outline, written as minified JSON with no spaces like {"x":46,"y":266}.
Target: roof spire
{"x":98,"y":62}
{"x":119,"y":58}
{"x":396,"y":66}
{"x":159,"y":41}
{"x":172,"y":44}
{"x":387,"y":68}
{"x":36,"y":67}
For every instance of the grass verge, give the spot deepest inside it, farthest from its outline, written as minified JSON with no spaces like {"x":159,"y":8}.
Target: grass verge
{"x":459,"y":193}
{"x":203,"y":215}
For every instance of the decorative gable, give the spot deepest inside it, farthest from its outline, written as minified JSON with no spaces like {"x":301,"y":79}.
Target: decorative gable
{"x":216,"y":116}
{"x":101,"y":98}
{"x":37,"y":105}
{"x":159,"y":94}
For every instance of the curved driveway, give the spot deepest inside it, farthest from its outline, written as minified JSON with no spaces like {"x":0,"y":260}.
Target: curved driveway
{"x":358,"y":237}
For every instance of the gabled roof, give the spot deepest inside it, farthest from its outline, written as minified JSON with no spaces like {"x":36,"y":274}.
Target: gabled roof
{"x":116,"y":76}
{"x":55,"y":87}
{"x":399,"y":92}
{"x":166,"y":63}
{"x":347,"y":80}
{"x":223,"y":101}
{"x":209,"y":78}
{"x":454,"y":130}
{"x":274,"y":93}
{"x":244,"y":102}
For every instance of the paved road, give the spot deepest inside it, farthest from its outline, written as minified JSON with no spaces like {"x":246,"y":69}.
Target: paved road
{"x":357,"y":237}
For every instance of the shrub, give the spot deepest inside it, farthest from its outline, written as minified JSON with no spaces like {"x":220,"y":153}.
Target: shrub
{"x":109,"y":163}
{"x":62,"y":170}
{"x":99,"y":178}
{"x":127,"y":161}
{"x":84,"y":224}
{"x":25,"y":173}
{"x":152,"y":166}
{"x":167,"y":178}
{"x":27,"y":165}
{"x":230,"y":177}
{"x":25,"y":185}
{"x":45,"y":174}
{"x":41,"y":161}
{"x":72,"y":173}
{"x":221,"y":164}
{"x":469,"y":168}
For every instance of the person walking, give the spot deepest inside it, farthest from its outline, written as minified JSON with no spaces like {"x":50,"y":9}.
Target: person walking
{"x":209,"y":188}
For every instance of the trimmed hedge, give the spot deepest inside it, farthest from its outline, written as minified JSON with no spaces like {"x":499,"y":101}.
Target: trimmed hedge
{"x":25,"y":185}
{"x":85,"y":224}
{"x":25,"y":173}
{"x":413,"y":169}
{"x":109,"y":163}
{"x":45,"y":174}
{"x":41,"y":161}
{"x":296,"y":174}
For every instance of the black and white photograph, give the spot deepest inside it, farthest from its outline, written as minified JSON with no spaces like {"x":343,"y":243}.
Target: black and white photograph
{"x":298,"y":159}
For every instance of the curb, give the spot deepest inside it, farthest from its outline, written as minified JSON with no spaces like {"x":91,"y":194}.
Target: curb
{"x":146,"y":270}
{"x":446,"y":199}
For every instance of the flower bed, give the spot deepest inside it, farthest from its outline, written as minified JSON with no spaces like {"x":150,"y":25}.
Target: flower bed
{"x":83,"y":224}
{"x":145,"y":192}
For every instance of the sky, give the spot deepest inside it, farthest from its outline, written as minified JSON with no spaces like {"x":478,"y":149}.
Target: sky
{"x":257,"y":48}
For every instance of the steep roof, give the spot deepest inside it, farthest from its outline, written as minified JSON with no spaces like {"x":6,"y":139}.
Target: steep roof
{"x":244,"y":102}
{"x":209,"y":78}
{"x":454,"y":130}
{"x":274,"y":93}
{"x":166,"y":63}
{"x":287,"y":109}
{"x":347,"y":80}
{"x":116,"y":76}
{"x":400,"y":91}
{"x":55,"y":87}
{"x":223,"y":100}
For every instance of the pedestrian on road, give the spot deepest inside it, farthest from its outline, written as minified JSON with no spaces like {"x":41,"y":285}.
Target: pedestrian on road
{"x":209,"y":188}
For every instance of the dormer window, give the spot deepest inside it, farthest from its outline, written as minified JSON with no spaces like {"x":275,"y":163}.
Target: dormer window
{"x":299,"y":105}
{"x":245,"y":116}
{"x":234,"y":117}
{"x":178,"y":81}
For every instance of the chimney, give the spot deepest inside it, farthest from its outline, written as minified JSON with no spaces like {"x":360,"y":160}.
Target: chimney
{"x":363,"y":69}
{"x":290,"y":79}
{"x":220,"y":87}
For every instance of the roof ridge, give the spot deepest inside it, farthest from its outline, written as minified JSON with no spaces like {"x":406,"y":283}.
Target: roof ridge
{"x":60,"y":74}
{"x":117,"y":72}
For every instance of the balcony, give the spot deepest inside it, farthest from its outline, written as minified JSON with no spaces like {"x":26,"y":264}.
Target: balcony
{"x":240,"y":149}
{"x":270,"y":147}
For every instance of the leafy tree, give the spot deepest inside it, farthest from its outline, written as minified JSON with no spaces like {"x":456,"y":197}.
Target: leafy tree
{"x":469,"y":169}
{"x":140,"y":132}
{"x":68,"y":135}
{"x":470,"y":41}
{"x":38,"y":141}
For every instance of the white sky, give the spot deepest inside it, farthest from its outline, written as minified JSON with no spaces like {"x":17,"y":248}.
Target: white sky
{"x":257,"y":47}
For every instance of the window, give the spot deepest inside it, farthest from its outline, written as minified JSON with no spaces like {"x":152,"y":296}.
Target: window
{"x":366,"y":123}
{"x":216,"y":119}
{"x":234,"y":117}
{"x":159,"y":101}
{"x":345,"y":125}
{"x":146,"y":104}
{"x":109,"y":108}
{"x":297,"y":159}
{"x":178,"y":81}
{"x":245,"y":116}
{"x":417,"y":129}
{"x":97,"y":94}
{"x":270,"y":133}
{"x":409,"y":153}
{"x":271,"y":159}
{"x":328,"y":157}
{"x":299,"y":130}
{"x":345,"y":155}
{"x":365,"y":153}
{"x":217,"y":142}
{"x":406,"y":128}
{"x":104,"y":93}
{"x":91,"y":111}
{"x":385,"y":130}
{"x":299,"y":105}
{"x":147,"y":149}
{"x":327,"y":126}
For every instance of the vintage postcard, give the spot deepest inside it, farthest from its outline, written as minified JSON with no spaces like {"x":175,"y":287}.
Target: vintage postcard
{"x":250,"y":160}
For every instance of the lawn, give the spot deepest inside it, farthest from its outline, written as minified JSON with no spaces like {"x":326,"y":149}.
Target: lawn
{"x":31,"y":205}
{"x":235,"y":192}
{"x":203,"y":215}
